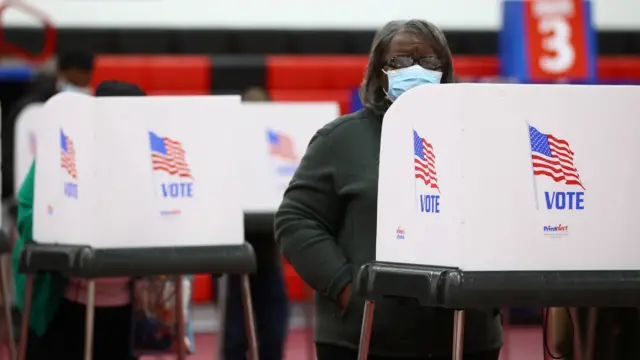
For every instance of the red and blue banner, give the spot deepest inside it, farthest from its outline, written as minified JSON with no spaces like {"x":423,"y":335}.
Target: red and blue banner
{"x":548,"y":40}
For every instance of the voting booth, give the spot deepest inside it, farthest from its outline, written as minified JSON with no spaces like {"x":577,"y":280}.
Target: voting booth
{"x":543,"y":41}
{"x":134,"y":187}
{"x":26,"y":140}
{"x":471,"y":198}
{"x":276,"y":138}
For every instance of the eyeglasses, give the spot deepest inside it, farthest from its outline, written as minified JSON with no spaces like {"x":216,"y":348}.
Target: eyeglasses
{"x":427,"y":62}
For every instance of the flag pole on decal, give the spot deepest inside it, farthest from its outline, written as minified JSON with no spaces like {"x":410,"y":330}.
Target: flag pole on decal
{"x":533,"y":175}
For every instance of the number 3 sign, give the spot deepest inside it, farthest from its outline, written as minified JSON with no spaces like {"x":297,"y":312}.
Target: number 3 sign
{"x":548,"y":40}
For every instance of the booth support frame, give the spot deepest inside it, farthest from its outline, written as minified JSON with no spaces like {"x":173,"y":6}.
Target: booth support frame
{"x":452,"y":288}
{"x":91,"y":264}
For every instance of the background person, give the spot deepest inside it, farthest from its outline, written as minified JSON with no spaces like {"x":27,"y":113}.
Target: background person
{"x":74,"y":71}
{"x":269,"y":297}
{"x":326,"y":224}
{"x":57,"y":319}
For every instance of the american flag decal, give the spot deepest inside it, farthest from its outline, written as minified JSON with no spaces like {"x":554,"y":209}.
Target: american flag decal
{"x":281,"y":145}
{"x":553,"y":158}
{"x":167,"y":155}
{"x":68,"y":155}
{"x":424,"y":161}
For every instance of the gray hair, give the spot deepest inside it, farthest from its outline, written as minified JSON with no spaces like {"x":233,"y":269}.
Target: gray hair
{"x":372,"y":90}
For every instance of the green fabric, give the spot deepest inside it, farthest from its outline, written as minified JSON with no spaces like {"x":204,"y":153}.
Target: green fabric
{"x":48,"y":289}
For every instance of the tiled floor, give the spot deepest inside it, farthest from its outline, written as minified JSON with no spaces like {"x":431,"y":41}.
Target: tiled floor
{"x":521,"y":343}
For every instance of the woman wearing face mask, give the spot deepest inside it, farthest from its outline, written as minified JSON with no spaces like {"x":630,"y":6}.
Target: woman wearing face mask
{"x":326,"y":224}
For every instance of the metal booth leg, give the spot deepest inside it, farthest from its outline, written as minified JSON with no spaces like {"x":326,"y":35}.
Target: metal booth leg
{"x":6,"y":295}
{"x":549,"y":331}
{"x":89,"y":319}
{"x":309,"y":309}
{"x":181,"y":347}
{"x":223,"y":291}
{"x":577,"y":337}
{"x":506,"y":323}
{"x":26,"y":312}
{"x":365,"y":332}
{"x":592,"y":322}
{"x":249,"y":319}
{"x":458,"y":334}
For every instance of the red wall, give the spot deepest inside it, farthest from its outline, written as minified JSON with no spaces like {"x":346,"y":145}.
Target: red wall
{"x":300,"y":78}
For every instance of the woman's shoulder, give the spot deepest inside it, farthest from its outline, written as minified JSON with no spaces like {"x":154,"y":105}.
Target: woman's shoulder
{"x":349,"y":123}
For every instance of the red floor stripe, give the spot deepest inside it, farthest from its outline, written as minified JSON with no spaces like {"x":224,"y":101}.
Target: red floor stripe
{"x":521,"y":343}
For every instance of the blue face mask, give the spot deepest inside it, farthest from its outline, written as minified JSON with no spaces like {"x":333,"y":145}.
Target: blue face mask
{"x":401,"y":80}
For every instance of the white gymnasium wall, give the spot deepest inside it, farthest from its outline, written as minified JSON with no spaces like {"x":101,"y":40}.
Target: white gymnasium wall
{"x":295,"y":14}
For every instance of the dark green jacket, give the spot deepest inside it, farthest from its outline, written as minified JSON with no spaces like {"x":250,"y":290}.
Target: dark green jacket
{"x":326,"y":226}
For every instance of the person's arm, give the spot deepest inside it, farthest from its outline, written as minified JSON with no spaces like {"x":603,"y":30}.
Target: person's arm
{"x":309,"y":218}
{"x":24,"y":220}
